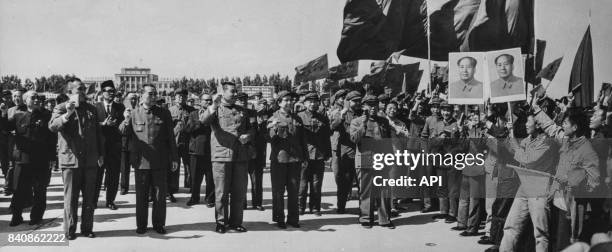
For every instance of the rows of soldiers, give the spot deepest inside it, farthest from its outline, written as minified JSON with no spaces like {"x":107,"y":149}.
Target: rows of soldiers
{"x":222,"y":143}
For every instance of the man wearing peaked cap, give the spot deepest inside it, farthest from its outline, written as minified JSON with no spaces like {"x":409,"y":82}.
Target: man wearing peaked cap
{"x":303,"y":92}
{"x":444,"y":104}
{"x":288,"y":154}
{"x":242,"y":96}
{"x":311,"y":97}
{"x":281,"y":94}
{"x":343,"y":161}
{"x":180,"y":116}
{"x":317,"y":138}
{"x":340,"y":94}
{"x":435,"y":101}
{"x":353,"y":96}
{"x":436,"y":126}
{"x":373,"y":127}
{"x":369,"y":100}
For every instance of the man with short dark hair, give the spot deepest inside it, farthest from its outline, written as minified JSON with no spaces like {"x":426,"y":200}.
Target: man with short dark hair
{"x":466,"y":86}
{"x":508,"y":83}
{"x":231,"y":133}
{"x":577,"y":172}
{"x":155,"y":156}
{"x":536,"y":152}
{"x":80,"y":146}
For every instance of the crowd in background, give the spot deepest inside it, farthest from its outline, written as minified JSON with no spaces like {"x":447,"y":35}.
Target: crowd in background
{"x":221,"y":140}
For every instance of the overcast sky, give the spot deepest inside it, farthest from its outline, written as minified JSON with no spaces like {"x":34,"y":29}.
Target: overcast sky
{"x":189,"y":37}
{"x":203,"y":38}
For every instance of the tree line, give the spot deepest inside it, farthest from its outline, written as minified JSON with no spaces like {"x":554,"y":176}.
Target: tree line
{"x":57,"y":83}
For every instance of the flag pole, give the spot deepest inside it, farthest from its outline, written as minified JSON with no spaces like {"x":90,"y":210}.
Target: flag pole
{"x":428,"y":52}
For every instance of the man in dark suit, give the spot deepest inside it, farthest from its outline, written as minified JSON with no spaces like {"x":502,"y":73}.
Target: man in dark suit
{"x":6,"y":101}
{"x":80,"y":145}
{"x":32,"y":151}
{"x":153,"y":153}
{"x":110,"y":114}
{"x":199,"y":149}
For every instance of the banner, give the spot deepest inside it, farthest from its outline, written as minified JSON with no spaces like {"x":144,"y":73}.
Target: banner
{"x":313,"y":70}
{"x":266,"y":91}
{"x":344,"y":71}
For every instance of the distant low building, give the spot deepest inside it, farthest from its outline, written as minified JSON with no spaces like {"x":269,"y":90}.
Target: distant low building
{"x":133,"y":78}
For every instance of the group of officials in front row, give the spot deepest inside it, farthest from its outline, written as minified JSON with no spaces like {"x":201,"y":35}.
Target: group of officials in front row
{"x":225,"y":142}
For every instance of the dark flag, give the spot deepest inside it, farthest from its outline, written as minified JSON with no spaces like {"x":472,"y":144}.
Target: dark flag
{"x":343,"y":71}
{"x":397,"y":77}
{"x":582,"y":72}
{"x":534,"y":63}
{"x":313,"y":70}
{"x":550,"y":70}
{"x":373,"y":29}
{"x":501,"y":24}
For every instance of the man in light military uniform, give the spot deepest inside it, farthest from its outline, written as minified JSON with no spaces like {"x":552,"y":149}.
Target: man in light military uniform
{"x":80,"y":144}
{"x":438,"y":130}
{"x":317,"y":136}
{"x":287,"y":157}
{"x":180,"y":115}
{"x":231,"y":133}
{"x":507,"y":84}
{"x":371,"y":126}
{"x":154,"y":153}
{"x":466,"y":86}
{"x":341,"y":121}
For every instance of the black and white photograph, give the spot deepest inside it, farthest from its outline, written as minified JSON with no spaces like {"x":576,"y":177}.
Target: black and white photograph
{"x":306,"y":125}
{"x":507,"y":75}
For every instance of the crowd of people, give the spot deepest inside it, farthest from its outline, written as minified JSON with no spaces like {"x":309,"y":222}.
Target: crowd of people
{"x":222,"y":143}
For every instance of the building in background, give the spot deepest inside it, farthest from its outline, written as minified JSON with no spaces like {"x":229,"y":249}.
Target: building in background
{"x":133,"y":78}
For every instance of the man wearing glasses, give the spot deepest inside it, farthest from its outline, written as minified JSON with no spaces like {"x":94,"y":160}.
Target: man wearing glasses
{"x":110,"y":114}
{"x":199,"y":149}
{"x":154,"y":150}
{"x":33,"y":150}
{"x":80,"y":144}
